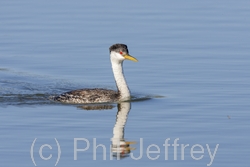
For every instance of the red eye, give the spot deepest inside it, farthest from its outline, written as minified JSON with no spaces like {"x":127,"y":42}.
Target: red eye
{"x":121,"y":53}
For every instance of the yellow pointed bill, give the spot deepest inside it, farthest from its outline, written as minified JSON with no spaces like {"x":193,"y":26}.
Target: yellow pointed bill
{"x":130,"y":142}
{"x":129,"y":57}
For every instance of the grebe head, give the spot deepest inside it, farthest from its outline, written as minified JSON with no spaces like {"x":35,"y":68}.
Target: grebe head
{"x":119,"y":52}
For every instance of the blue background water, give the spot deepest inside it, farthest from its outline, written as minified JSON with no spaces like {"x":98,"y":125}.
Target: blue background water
{"x":193,"y":53}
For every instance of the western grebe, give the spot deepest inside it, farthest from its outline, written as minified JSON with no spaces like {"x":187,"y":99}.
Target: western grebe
{"x":118,"y":53}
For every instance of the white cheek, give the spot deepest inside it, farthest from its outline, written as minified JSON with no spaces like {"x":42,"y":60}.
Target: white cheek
{"x":120,"y":57}
{"x":116,"y":57}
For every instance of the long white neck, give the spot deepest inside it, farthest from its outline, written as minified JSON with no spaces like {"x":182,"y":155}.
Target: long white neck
{"x":121,"y":84}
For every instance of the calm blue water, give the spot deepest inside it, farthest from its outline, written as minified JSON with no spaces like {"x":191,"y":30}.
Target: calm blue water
{"x":193,"y":64}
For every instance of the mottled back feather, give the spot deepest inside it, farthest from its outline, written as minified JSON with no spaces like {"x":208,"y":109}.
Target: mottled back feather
{"x":87,"y":96}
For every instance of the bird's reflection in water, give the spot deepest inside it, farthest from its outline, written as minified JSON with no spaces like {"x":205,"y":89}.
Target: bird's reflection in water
{"x":96,"y":107}
{"x":121,"y":148}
